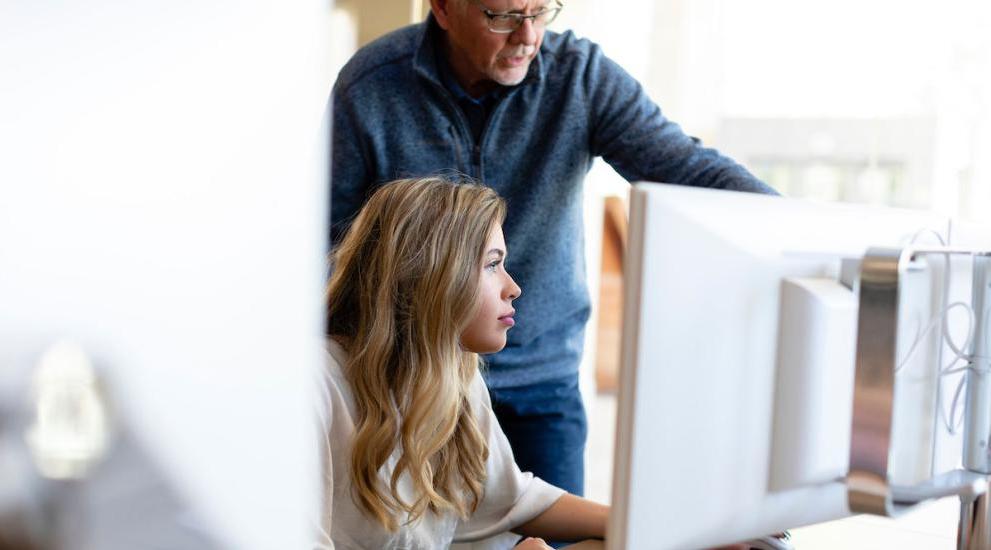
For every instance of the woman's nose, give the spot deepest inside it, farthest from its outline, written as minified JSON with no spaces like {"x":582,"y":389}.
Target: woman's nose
{"x":514,"y":290}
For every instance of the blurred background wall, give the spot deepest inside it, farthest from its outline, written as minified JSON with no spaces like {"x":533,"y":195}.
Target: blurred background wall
{"x":881,"y":102}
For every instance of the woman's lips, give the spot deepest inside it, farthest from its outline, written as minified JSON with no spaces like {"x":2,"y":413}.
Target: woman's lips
{"x":507,"y":320}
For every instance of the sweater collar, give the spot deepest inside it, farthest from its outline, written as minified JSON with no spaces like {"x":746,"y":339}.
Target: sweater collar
{"x":431,"y":38}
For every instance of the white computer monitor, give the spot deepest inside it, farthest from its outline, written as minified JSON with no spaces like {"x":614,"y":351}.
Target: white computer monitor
{"x":725,"y":431}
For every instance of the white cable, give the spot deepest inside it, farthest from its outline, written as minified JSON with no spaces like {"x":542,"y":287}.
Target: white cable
{"x":932,"y":324}
{"x":931,"y":231}
{"x":947,"y":272}
{"x":970,"y":332}
{"x":971,"y":365}
{"x":951,"y":423}
{"x":949,"y":419}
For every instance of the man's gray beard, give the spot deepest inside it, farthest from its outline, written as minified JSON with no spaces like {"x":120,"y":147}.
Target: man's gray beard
{"x":514,"y":82}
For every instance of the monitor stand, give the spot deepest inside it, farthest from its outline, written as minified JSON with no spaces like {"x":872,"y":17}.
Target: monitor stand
{"x":869,"y":488}
{"x":975,"y":521}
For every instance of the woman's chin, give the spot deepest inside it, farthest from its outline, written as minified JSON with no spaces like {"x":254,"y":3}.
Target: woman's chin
{"x":485,"y":348}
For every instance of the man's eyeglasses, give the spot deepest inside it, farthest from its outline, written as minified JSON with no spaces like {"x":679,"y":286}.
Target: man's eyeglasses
{"x":509,"y":22}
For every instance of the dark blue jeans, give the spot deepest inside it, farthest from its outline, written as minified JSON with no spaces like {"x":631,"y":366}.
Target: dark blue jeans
{"x":546,"y":427}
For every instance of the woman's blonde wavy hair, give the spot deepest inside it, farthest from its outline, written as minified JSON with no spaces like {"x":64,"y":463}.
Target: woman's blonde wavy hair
{"x":404,"y":288}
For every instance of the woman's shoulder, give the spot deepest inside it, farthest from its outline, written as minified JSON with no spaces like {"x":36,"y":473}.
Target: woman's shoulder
{"x":335,"y":357}
{"x":335,"y":384}
{"x":478,"y":391}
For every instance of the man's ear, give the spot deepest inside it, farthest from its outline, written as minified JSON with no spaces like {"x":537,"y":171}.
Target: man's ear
{"x":442,"y":11}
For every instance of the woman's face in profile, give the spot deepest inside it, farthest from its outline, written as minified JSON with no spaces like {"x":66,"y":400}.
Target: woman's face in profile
{"x":496,"y":291}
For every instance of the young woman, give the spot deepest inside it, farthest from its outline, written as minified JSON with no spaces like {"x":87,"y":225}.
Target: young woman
{"x":414,"y":455}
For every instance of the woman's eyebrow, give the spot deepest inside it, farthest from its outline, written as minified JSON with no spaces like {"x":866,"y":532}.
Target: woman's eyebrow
{"x":498,"y":251}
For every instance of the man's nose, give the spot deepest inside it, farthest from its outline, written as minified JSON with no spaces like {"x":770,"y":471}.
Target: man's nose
{"x":526,"y":33}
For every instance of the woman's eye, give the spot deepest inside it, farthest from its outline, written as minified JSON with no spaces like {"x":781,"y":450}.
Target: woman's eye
{"x":492,"y":266}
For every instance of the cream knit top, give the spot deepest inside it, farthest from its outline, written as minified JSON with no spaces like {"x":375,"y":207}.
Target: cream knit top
{"x":510,"y":497}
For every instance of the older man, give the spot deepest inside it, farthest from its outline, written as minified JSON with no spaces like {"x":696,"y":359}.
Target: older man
{"x":483,"y":89}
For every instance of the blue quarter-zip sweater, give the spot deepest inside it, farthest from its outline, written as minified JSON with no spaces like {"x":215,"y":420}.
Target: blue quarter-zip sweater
{"x":393,"y":117}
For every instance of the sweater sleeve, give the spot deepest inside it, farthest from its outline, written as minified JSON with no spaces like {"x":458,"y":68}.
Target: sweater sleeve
{"x":640,"y":143}
{"x":511,"y":497}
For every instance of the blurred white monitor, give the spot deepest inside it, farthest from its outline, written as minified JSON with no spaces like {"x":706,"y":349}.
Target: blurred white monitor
{"x":725,"y":431}
{"x":163,"y":199}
